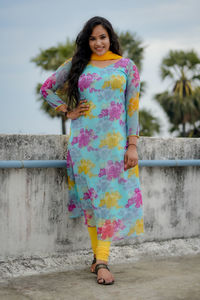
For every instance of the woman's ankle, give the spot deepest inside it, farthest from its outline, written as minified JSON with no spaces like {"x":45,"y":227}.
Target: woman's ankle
{"x":99,"y":261}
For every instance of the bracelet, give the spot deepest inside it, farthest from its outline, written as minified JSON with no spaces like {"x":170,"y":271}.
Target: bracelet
{"x":133,"y":144}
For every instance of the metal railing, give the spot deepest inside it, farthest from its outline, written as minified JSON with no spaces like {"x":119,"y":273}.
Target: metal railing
{"x":20,"y":164}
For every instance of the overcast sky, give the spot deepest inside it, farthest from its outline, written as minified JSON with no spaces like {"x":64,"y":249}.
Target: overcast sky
{"x":29,"y":25}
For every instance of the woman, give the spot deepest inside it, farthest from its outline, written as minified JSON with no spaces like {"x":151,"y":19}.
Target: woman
{"x":102,"y":151}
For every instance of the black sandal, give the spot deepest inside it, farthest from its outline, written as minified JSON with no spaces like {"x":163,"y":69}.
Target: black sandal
{"x":102,"y":266}
{"x":94,"y":262}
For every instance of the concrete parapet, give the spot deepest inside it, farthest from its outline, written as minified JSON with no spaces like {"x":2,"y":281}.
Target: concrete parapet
{"x":34,"y":221}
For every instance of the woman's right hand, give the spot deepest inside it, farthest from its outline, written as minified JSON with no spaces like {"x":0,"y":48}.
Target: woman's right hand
{"x":79,"y":110}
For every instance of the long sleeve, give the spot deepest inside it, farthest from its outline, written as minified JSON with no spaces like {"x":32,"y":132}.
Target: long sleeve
{"x":132,"y":100}
{"x":54,"y":83}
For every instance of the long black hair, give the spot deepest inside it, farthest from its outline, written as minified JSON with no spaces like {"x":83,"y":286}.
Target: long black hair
{"x":83,"y":53}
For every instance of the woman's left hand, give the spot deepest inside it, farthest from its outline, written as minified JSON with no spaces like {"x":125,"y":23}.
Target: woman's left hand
{"x":130,"y":157}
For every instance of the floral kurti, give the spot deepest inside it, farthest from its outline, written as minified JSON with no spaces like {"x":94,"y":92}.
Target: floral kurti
{"x":99,"y":188}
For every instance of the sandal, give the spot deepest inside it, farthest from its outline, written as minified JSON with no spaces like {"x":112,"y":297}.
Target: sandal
{"x":94,"y":262}
{"x":102,"y":266}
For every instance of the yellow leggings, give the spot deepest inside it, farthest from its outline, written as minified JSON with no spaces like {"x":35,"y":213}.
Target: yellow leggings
{"x":100,"y":248}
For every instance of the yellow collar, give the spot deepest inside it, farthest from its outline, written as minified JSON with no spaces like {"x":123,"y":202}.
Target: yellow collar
{"x":109,"y":55}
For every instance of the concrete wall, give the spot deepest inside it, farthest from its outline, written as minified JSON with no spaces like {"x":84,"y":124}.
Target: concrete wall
{"x":33,"y":202}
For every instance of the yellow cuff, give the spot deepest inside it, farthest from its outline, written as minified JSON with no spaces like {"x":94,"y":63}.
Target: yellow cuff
{"x":102,"y":250}
{"x":60,"y":106}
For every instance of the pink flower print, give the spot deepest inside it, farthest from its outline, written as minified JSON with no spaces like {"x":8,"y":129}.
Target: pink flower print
{"x":115,"y":110}
{"x":86,"y":80}
{"x":107,"y":230}
{"x":94,"y":90}
{"x":84,"y":138}
{"x":118,"y":225}
{"x":48,"y":85}
{"x":138,"y":198}
{"x":122,"y":123}
{"x":104,"y":113}
{"x":75,"y":140}
{"x":71,"y":207}
{"x":121,"y":63}
{"x":136,"y":77}
{"x":113,"y":170}
{"x":91,"y":194}
{"x":102,"y":172}
{"x":99,"y":230}
{"x":90,"y":148}
{"x":130,"y":202}
{"x":69,"y":160}
{"x":87,"y":216}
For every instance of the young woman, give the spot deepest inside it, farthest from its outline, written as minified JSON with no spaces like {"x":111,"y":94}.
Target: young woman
{"x":102,"y":151}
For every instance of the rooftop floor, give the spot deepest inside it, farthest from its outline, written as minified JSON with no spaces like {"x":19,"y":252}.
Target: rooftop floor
{"x":170,"y":278}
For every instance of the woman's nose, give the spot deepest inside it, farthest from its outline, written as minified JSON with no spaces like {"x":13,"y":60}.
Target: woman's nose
{"x":98,"y":42}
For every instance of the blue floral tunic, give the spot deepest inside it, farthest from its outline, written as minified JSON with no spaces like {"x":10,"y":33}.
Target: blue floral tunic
{"x":99,"y":188}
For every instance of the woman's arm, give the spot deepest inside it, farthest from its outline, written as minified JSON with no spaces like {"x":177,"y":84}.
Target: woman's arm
{"x":53,"y":83}
{"x":132,"y":101}
{"x":132,"y":115}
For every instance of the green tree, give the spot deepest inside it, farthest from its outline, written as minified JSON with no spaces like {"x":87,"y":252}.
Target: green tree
{"x":182,"y":102}
{"x":51,"y":58}
{"x":149,"y":125}
{"x":132,"y":47}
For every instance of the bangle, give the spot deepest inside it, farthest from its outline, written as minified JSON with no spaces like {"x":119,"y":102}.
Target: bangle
{"x":133,"y":144}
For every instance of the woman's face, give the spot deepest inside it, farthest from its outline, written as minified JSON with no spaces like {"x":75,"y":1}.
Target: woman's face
{"x":99,"y":40}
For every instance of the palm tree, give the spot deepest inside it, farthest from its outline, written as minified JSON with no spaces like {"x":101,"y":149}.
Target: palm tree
{"x":132,"y":47}
{"x":51,"y":58}
{"x":181,"y":103}
{"x":149,"y":125}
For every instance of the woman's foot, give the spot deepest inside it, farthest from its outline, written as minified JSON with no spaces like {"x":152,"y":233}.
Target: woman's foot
{"x":104,"y":276}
